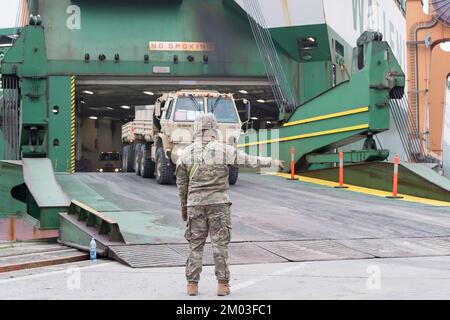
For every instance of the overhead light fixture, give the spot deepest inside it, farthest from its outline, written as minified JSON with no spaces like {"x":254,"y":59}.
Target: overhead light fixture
{"x":126,"y":107}
{"x":260,"y":100}
{"x":93,"y":118}
{"x":243,"y":91}
{"x":269,"y":122}
{"x":88,"y":92}
{"x":254,"y":118}
{"x":109,"y":108}
{"x":149,"y":93}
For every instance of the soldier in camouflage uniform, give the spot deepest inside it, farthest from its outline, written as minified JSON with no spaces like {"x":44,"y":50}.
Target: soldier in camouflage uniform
{"x":202,"y":180}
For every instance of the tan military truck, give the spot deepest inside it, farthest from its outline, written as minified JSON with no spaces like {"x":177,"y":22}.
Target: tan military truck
{"x":155,"y":139}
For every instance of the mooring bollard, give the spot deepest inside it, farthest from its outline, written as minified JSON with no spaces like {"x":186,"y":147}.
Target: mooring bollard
{"x":292,"y":165}
{"x":395,"y":180}
{"x":341,"y":171}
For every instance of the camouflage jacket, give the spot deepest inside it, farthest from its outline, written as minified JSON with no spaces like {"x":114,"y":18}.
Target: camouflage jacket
{"x":202,"y":175}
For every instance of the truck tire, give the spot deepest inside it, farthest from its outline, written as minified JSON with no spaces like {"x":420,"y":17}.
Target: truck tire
{"x":128,"y":158}
{"x":164,"y":171}
{"x":137,"y":158}
{"x":124,"y":158}
{"x":233,"y":175}
{"x":147,"y":164}
{"x":131,"y":158}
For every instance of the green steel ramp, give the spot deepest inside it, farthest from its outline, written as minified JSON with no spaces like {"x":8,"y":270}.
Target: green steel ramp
{"x":45,"y":197}
{"x":414,"y":179}
{"x":40,"y":180}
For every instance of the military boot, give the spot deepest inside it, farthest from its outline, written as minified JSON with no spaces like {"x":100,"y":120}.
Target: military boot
{"x":223,"y":289}
{"x":192,"y":288}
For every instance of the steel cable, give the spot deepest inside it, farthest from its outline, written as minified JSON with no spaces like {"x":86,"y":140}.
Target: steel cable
{"x":275,"y":73}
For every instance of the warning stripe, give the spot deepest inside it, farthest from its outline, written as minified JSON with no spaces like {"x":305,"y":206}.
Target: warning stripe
{"x":72,"y":131}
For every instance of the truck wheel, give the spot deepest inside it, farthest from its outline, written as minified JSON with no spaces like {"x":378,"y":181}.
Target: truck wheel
{"x":164,"y":171}
{"x":137,"y":158}
{"x":147,"y":164}
{"x":124,"y":158}
{"x":128,"y":158}
{"x":233,"y":175}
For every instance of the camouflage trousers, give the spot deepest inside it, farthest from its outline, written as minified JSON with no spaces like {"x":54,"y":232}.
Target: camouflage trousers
{"x":213,"y":220}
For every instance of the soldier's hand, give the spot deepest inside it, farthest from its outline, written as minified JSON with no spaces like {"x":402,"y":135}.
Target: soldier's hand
{"x":184,"y":213}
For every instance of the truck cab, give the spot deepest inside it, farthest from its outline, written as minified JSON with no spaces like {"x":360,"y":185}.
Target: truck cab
{"x":159,"y":133}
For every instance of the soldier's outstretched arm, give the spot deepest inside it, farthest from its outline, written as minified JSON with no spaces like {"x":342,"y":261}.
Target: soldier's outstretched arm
{"x":183,"y":186}
{"x":242,"y":159}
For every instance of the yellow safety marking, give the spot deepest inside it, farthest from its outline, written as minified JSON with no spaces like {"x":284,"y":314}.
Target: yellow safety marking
{"x":373,"y":192}
{"x":306,"y":135}
{"x":327,"y":116}
{"x":72,"y":131}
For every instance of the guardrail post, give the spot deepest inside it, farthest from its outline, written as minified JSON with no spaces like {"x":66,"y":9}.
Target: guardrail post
{"x":292,"y":165}
{"x":341,"y":171}
{"x":395,"y":181}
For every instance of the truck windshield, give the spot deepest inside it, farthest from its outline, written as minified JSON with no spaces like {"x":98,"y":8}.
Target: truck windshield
{"x":109,"y":156}
{"x":186,"y":108}
{"x":223,"y":109}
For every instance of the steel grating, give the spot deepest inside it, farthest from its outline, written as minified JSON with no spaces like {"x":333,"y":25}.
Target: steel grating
{"x":141,"y":256}
{"x":172,"y":255}
{"x":246,"y":253}
{"x":312,"y":250}
{"x":156,"y":255}
{"x":401,"y":247}
{"x":183,"y":250}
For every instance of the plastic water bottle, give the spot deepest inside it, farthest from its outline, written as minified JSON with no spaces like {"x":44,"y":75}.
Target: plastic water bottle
{"x":93,"y":251}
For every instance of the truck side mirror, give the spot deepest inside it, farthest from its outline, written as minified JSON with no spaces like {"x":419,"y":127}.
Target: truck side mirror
{"x":158,"y":109}
{"x":247,"y":103}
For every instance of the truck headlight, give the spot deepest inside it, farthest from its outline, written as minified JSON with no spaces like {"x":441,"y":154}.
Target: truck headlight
{"x":101,"y":170}
{"x":116,"y":170}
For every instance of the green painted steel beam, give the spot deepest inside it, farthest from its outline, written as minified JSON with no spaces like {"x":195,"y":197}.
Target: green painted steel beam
{"x":27,"y":59}
{"x":59,"y":122}
{"x":9,"y":31}
{"x":349,"y":157}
